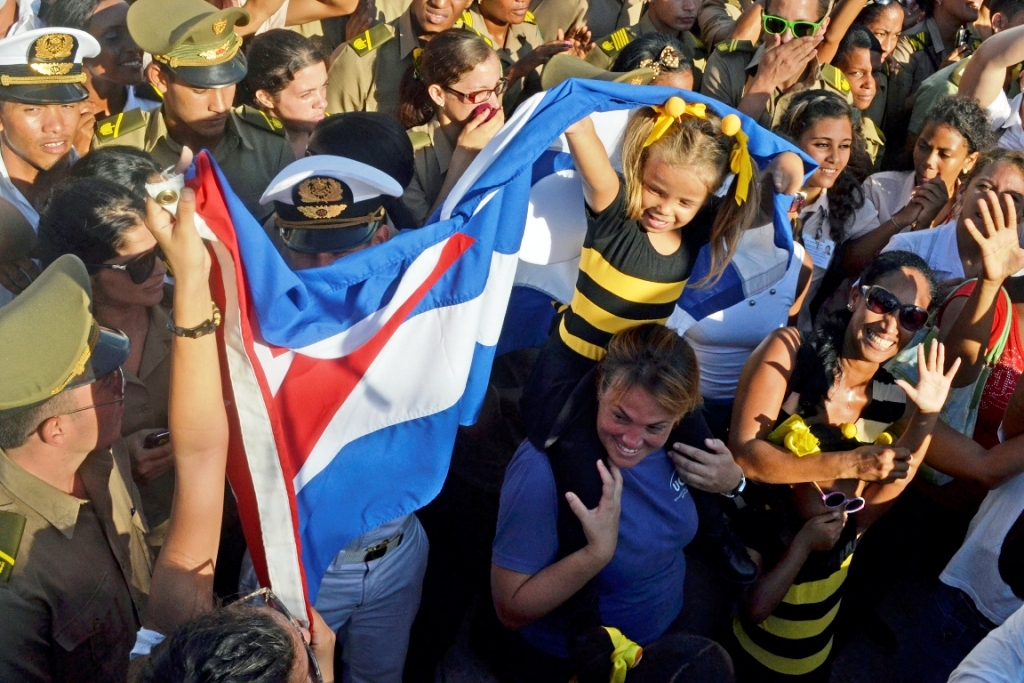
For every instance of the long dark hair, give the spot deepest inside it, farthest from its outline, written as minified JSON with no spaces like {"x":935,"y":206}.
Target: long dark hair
{"x":444,"y":60}
{"x":818,"y":359}
{"x":274,"y":59}
{"x":806,"y":109}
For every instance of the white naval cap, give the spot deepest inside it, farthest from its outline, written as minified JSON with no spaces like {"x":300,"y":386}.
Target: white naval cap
{"x":44,"y":65}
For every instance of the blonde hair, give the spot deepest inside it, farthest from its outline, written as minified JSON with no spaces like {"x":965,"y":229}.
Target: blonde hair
{"x":655,"y":359}
{"x":696,"y":143}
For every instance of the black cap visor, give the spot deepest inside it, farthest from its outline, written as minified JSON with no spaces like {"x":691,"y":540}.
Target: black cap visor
{"x":214,"y":76}
{"x":110,"y":352}
{"x":331,"y":241}
{"x":53,"y":93}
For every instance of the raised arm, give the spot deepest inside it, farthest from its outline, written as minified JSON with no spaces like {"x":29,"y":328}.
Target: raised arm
{"x":985,"y":74}
{"x":967,"y":323}
{"x":183,"y":576}
{"x":760,"y":394}
{"x":600,"y":182}
{"x":842,"y":17}
{"x":748,"y":26}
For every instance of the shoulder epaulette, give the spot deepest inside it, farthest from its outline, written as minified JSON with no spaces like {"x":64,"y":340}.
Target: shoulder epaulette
{"x":697,"y":41}
{"x":370,"y":40}
{"x":419,"y":139}
{"x":736,"y":46}
{"x":114,"y":127}
{"x":530,"y":18}
{"x":835,"y":78}
{"x":614,"y":43}
{"x":12,"y":526}
{"x":260,"y":119}
{"x":146,"y":91}
{"x":958,"y":72}
{"x":466,"y":22}
{"x":918,"y":41}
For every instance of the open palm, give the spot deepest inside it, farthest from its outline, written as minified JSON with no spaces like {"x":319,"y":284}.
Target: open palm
{"x":933,"y":385}
{"x":1001,"y":253}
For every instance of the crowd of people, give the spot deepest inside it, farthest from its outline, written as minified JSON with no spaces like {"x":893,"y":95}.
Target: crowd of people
{"x":863,"y":401}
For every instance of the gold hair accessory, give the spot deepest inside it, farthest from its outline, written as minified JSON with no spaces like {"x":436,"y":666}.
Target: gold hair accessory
{"x":668,"y":59}
{"x":669,"y":113}
{"x":417,"y":54}
{"x":740,"y":162}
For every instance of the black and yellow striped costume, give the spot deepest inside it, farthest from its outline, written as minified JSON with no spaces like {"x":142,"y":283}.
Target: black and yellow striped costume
{"x":795,"y":642}
{"x":623,"y":280}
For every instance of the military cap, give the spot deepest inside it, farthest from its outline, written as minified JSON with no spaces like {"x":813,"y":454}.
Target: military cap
{"x":49,"y":340}
{"x":192,"y":38}
{"x":329,"y":204}
{"x":563,"y":67}
{"x":44,"y":66}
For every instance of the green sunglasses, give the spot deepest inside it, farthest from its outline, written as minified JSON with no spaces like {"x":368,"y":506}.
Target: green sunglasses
{"x":777,"y":26}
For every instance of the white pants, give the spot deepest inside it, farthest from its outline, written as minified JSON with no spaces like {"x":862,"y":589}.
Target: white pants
{"x":371,"y":605}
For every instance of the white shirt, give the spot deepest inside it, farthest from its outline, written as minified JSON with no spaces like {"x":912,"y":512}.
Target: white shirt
{"x":999,"y":658}
{"x":28,"y":18}
{"x":1006,"y":122}
{"x":937,"y":246}
{"x":888,"y":192}
{"x":975,"y":567}
{"x":723,"y":341}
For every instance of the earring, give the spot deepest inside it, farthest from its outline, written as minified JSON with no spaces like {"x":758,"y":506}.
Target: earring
{"x":849,"y":306}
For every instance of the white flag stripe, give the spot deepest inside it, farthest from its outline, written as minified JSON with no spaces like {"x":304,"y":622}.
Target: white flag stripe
{"x":410,"y":379}
{"x":268,"y":479}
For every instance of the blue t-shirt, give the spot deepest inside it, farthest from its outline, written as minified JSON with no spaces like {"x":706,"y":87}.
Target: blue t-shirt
{"x":640,"y":591}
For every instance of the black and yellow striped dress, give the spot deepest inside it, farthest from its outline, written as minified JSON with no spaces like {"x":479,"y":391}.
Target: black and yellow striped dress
{"x":795,"y":642}
{"x":623,"y":280}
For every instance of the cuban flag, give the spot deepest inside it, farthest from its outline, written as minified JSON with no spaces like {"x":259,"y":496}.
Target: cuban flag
{"x":347,"y":383}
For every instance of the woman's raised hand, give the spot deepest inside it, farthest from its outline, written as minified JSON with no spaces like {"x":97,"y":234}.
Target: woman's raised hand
{"x":601,"y":525}
{"x":928,"y":198}
{"x":933,"y":385}
{"x":479,"y":130}
{"x":1001,"y":253}
{"x":183,"y":249}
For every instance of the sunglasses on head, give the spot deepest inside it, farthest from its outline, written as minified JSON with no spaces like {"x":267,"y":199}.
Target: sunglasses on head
{"x":777,"y":26}
{"x":139,"y":269}
{"x":834,"y":500}
{"x":883,"y":302}
{"x":265,"y":597}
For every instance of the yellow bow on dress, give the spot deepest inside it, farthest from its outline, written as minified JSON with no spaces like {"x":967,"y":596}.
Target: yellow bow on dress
{"x":796,"y":436}
{"x":626,"y":655}
{"x":740,"y":162}
{"x":669,"y":112}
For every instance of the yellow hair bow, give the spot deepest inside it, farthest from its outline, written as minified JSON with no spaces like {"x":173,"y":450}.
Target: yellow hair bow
{"x":740,"y":162}
{"x":627,"y":654}
{"x":668,"y":113}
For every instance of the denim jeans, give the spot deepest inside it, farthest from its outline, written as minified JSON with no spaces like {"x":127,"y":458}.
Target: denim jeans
{"x":371,"y":605}
{"x":948,"y":628}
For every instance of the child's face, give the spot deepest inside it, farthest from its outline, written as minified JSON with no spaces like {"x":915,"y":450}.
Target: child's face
{"x":828,"y":142}
{"x":671,"y":195}
{"x":859,"y":67}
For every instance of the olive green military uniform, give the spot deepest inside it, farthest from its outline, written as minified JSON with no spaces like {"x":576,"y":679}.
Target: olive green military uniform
{"x":717,"y":20}
{"x":920,"y":53}
{"x":74,"y":569}
{"x":368,"y":70}
{"x":733,"y":65}
{"x":609,"y":47}
{"x":433,"y":156}
{"x":946,"y":81}
{"x":520,"y":40}
{"x":605,"y":16}
{"x":333,"y":29}
{"x":874,"y":141}
{"x":250,"y":154}
{"x":552,"y":15}
{"x":881,"y":104}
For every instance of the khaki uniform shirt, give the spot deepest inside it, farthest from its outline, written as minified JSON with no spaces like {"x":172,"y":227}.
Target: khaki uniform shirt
{"x":145,"y":407}
{"x":333,"y":29}
{"x":609,"y":47}
{"x":733,"y":64}
{"x":433,"y":156}
{"x":249,"y":154}
{"x":874,"y":142}
{"x":369,"y":69}
{"x":552,"y":15}
{"x":75,"y":597}
{"x":717,"y":20}
{"x":604,"y":16}
{"x":920,"y":53}
{"x":520,"y":40}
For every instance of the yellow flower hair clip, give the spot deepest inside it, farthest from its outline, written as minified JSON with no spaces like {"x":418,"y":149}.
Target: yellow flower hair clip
{"x":669,"y":113}
{"x":740,"y":162}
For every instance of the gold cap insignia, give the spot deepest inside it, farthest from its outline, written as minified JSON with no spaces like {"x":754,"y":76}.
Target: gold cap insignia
{"x":318,"y":190}
{"x":54,"y":46}
{"x":219,"y":26}
{"x":322,"y":212}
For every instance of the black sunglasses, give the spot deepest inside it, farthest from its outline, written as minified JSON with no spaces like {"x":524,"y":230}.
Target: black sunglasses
{"x":883,"y":302}
{"x":139,"y":269}
{"x":265,"y":597}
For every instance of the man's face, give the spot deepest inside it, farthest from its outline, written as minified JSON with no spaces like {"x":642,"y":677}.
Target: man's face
{"x":94,"y":417}
{"x":39,"y":135}
{"x":204,"y":111}
{"x":434,"y":16}
{"x":966,"y":11}
{"x":302,"y":260}
{"x":679,"y":15}
{"x":796,"y":10}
